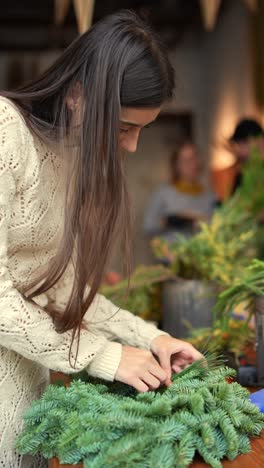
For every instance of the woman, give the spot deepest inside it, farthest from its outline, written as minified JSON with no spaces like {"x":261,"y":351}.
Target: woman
{"x":179,"y":205}
{"x":63,"y":199}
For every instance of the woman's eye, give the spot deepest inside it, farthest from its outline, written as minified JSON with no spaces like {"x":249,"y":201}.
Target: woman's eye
{"x":124,"y":130}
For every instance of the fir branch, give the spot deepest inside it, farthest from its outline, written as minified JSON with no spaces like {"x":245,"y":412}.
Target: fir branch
{"x":110,"y":425}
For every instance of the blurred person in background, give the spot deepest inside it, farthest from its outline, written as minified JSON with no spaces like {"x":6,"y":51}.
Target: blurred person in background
{"x":247,"y":133}
{"x":179,"y":205}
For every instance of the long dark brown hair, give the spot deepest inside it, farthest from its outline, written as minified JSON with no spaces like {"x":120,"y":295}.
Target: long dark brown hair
{"x":118,"y":62}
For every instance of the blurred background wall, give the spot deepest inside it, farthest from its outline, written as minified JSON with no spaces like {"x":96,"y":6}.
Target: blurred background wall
{"x":215,"y":81}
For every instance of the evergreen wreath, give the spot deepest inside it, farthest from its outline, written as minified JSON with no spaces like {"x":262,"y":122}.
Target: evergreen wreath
{"x":111,"y":425}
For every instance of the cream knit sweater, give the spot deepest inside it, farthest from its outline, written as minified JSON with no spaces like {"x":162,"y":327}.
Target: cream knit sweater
{"x":31,"y":218}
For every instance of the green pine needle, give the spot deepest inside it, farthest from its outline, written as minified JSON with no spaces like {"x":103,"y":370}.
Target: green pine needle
{"x":110,"y":425}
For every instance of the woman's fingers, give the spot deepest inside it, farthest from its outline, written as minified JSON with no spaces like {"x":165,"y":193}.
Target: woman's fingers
{"x":176,"y":368}
{"x":174,"y":355}
{"x":156,"y":370}
{"x":151,"y":381}
{"x":139,"y":369}
{"x":192,"y":354}
{"x":178,"y":360}
{"x":140,"y":386}
{"x":165,"y":362}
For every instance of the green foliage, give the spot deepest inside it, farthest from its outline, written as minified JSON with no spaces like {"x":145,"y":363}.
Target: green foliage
{"x":216,"y":253}
{"x":228,"y":332}
{"x":229,"y":335}
{"x":248,"y":284}
{"x":223,"y":247}
{"x":250,"y":195}
{"x":111,"y":425}
{"x":142,"y":296}
{"x":222,"y":252}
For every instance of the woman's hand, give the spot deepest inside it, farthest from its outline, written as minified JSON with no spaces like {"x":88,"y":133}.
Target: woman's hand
{"x":140,"y":369}
{"x":173,"y":354}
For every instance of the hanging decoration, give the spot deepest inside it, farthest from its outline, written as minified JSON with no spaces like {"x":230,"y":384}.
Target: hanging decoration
{"x":83,"y":11}
{"x":210,"y":9}
{"x":84,"y":14}
{"x":61,"y":10}
{"x":209,"y":12}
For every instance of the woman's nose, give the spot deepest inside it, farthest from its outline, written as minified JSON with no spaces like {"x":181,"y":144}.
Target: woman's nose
{"x":130,"y":142}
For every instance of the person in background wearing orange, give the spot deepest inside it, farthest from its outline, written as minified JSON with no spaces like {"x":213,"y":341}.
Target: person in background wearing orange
{"x":247,"y":133}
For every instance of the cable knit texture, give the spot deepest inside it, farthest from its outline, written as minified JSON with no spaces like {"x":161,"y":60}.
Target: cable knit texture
{"x":32,"y":190}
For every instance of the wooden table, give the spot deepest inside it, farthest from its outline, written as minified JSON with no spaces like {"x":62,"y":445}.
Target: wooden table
{"x":254,"y":459}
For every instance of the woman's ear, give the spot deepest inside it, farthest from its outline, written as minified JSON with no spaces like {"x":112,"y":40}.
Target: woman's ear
{"x":71,"y":103}
{"x":73,"y":98}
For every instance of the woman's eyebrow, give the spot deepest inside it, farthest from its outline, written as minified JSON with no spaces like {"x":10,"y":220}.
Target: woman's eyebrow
{"x":134,"y":124}
{"x":127,"y":122}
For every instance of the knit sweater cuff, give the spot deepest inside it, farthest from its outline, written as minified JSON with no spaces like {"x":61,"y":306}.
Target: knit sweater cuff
{"x":105,"y":364}
{"x":146,"y":340}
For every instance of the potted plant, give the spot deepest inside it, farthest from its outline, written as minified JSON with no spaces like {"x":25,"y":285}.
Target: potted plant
{"x":235,"y":335}
{"x":141,"y":295}
{"x":210,"y":261}
{"x":249,"y":289}
{"x":202,"y":265}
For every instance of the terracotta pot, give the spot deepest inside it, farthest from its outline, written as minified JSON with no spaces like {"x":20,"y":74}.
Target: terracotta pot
{"x":56,"y":377}
{"x":54,"y":463}
{"x":249,"y":354}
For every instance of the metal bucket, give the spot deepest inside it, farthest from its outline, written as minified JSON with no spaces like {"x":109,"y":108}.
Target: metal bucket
{"x":189,"y":300}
